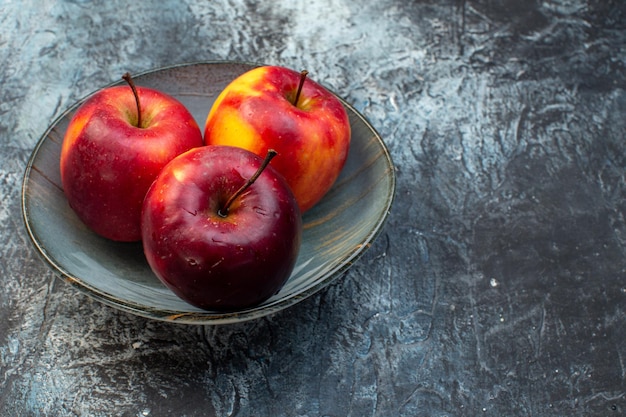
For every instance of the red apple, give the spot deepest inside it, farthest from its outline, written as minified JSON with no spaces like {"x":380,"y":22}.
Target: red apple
{"x":114,"y":147}
{"x":218,"y":232}
{"x":269,"y":107}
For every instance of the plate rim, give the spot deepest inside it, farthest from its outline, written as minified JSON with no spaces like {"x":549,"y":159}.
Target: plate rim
{"x":203,"y":317}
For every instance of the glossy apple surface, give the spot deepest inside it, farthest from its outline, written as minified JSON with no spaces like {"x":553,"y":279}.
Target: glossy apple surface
{"x":108,"y":162}
{"x":218,"y":262}
{"x":256,"y":112}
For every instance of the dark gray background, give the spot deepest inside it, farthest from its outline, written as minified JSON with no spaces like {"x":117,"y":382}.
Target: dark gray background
{"x":498,"y":286}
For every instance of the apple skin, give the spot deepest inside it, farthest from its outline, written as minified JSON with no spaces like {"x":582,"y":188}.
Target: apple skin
{"x":255,"y":112}
{"x":219,"y":262}
{"x":108,"y":163}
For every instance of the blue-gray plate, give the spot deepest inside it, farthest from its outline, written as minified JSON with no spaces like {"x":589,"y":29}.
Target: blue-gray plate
{"x":337,"y":230}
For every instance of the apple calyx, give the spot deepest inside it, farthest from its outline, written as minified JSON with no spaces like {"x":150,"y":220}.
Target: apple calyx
{"x":131,"y":83}
{"x":223,"y":211}
{"x":303,"y":75}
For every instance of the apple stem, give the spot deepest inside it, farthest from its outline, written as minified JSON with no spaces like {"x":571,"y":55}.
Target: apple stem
{"x":303,"y":75}
{"x":131,"y":83}
{"x":271,"y":153}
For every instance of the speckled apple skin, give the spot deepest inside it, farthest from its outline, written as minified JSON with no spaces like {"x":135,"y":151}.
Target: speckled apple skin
{"x":108,"y":162}
{"x":256,"y":112}
{"x":215,"y":261}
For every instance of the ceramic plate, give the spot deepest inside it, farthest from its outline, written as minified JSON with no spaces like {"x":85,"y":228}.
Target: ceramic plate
{"x":336,"y":231}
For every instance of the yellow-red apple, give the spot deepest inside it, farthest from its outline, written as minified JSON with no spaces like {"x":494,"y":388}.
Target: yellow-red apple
{"x":278,"y":108}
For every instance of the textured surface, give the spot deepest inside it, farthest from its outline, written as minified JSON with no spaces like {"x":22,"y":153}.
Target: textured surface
{"x":498,"y":286}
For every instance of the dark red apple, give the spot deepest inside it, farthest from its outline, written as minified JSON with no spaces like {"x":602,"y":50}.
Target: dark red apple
{"x":114,"y":147}
{"x":221,"y":228}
